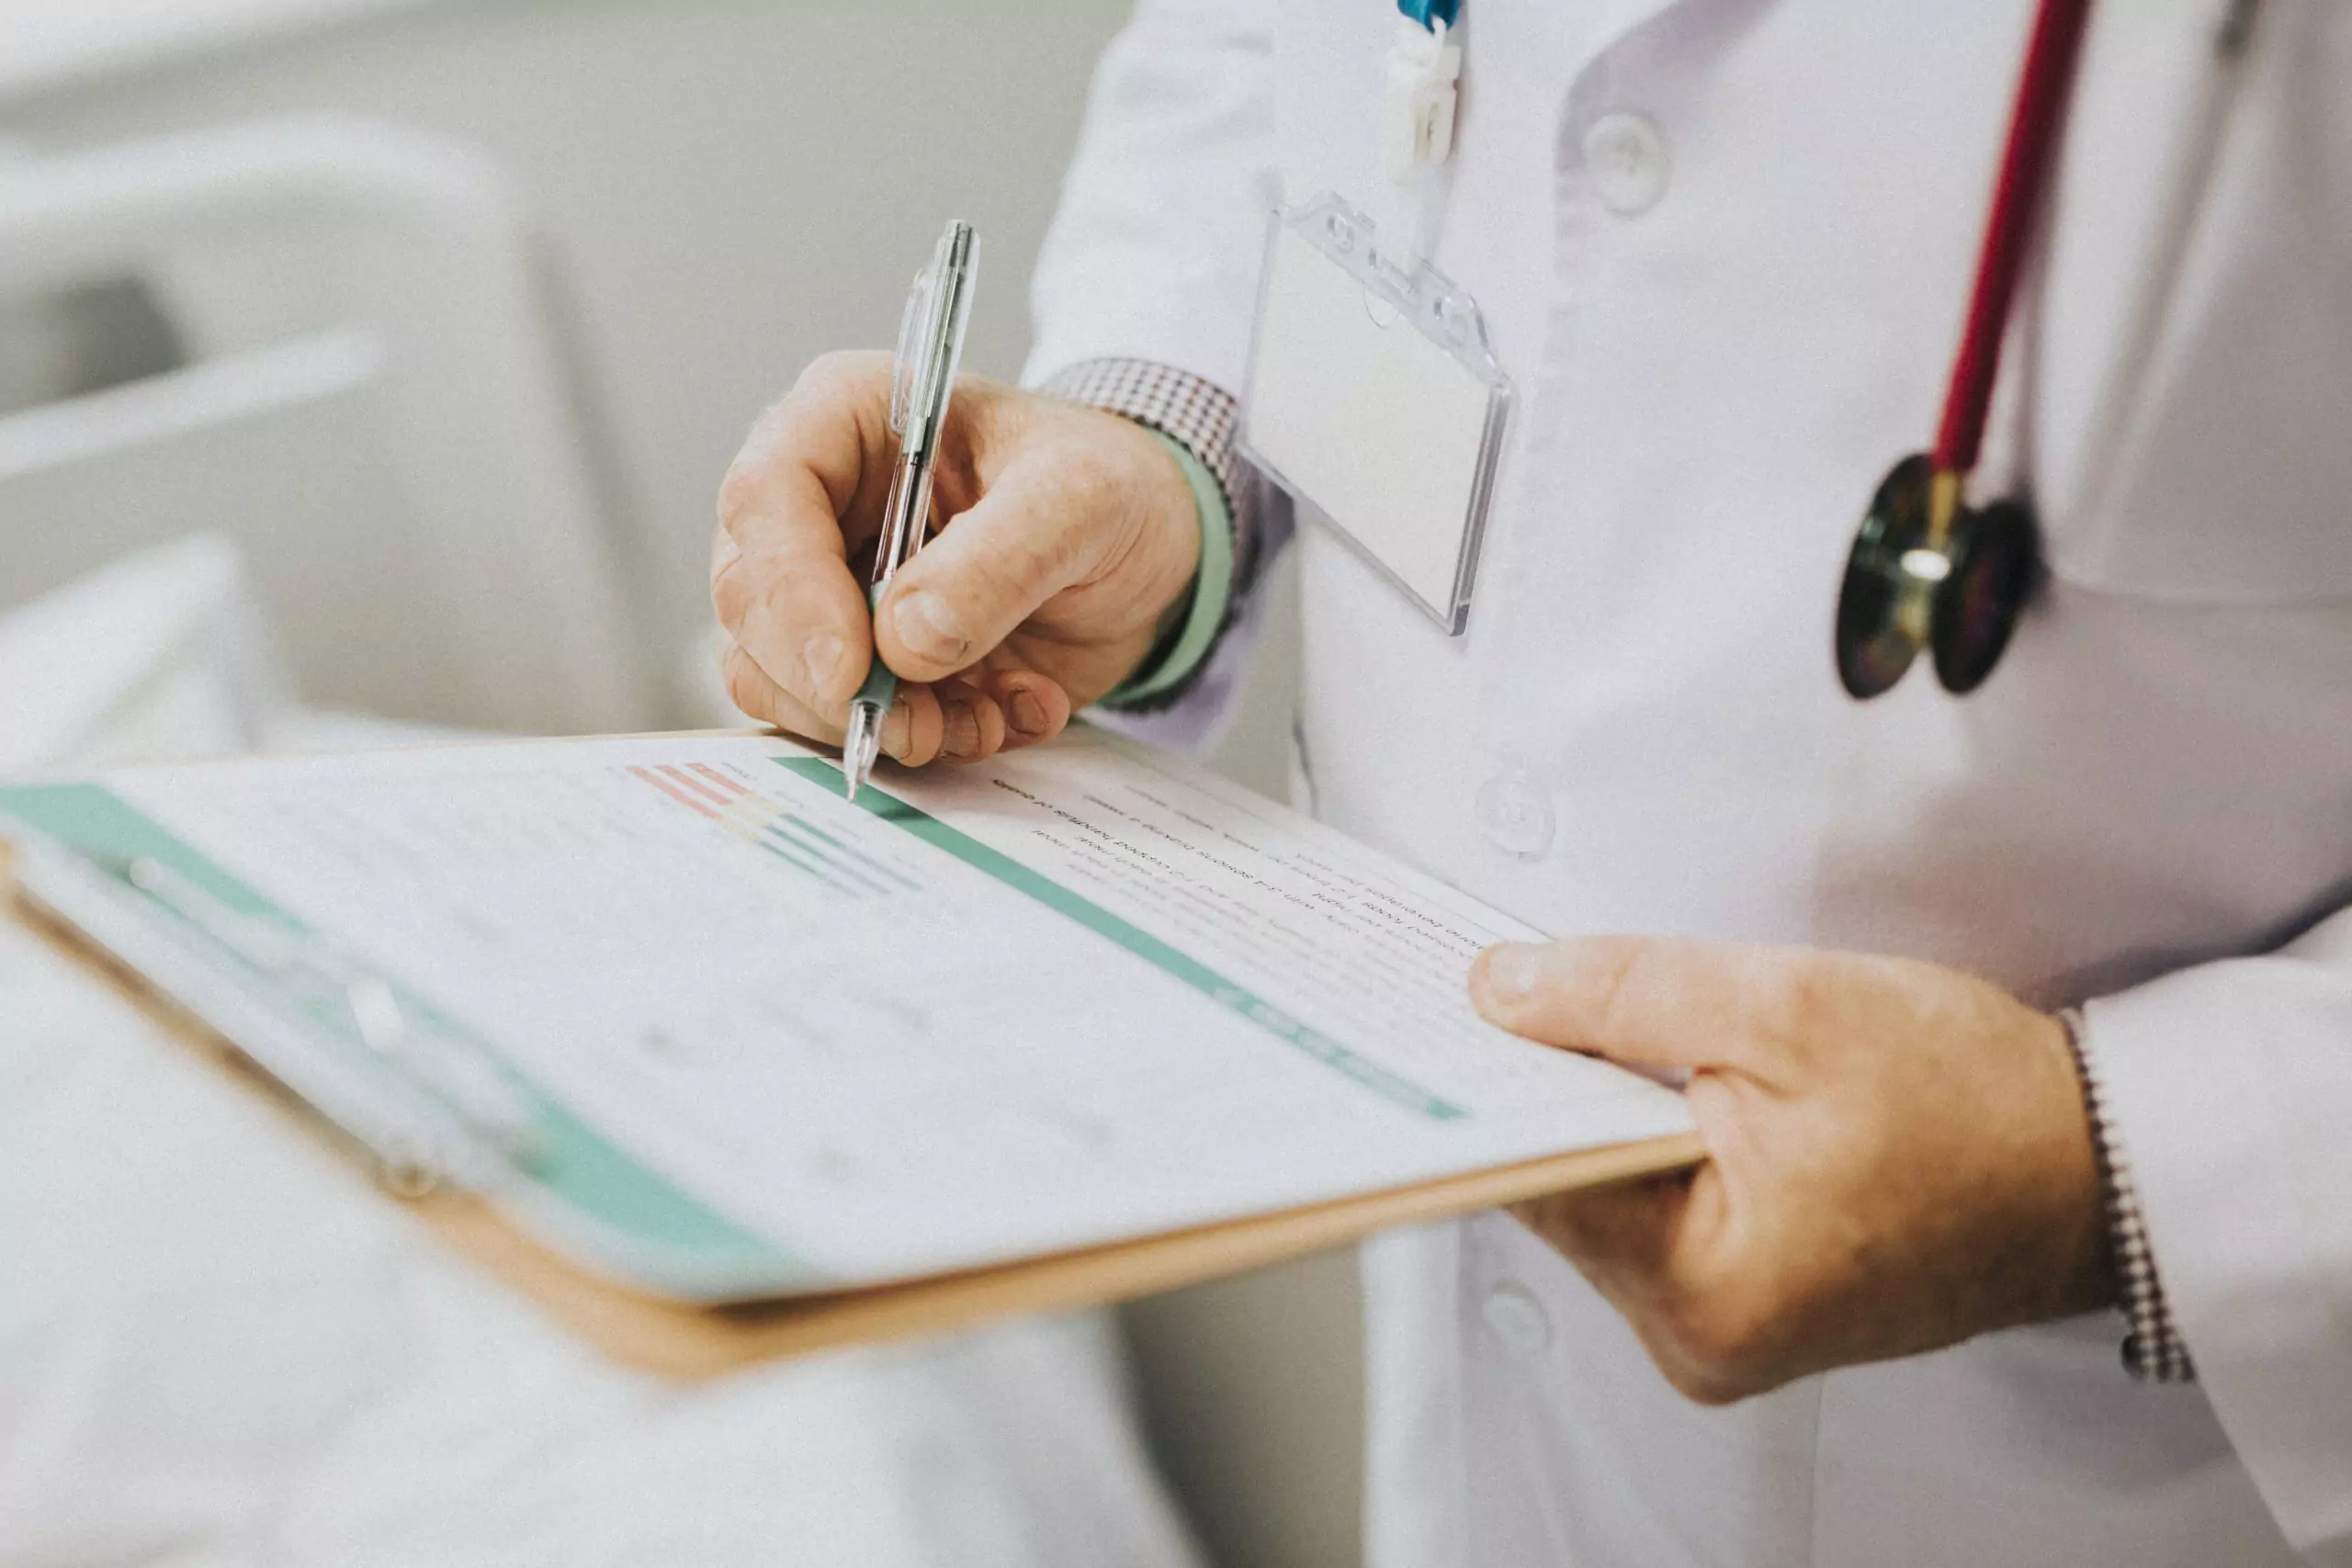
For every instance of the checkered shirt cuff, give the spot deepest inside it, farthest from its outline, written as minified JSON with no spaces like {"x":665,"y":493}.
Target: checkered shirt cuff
{"x":1201,"y":414}
{"x":2153,"y":1348}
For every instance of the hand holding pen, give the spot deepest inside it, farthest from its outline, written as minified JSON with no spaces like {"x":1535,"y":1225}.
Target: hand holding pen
{"x":1067,"y":536}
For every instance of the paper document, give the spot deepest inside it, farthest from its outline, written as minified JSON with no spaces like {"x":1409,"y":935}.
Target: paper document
{"x":1077,"y":993}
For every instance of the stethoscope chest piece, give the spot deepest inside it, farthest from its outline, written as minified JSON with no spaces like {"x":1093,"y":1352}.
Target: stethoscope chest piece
{"x":1928,"y":571}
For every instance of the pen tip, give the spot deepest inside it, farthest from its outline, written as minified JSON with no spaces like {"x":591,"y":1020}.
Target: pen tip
{"x":858,"y":748}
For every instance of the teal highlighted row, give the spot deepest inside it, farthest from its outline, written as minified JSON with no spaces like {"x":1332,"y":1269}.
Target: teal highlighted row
{"x":1124,"y":933}
{"x":660,"y":1233}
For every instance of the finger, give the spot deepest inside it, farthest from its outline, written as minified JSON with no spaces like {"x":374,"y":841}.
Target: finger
{"x":1631,"y":1244}
{"x":1659,"y":1003}
{"x":911,"y":733}
{"x":1620,"y":1238}
{"x":1625,"y":1231}
{"x":1035,"y":533}
{"x":750,"y":689}
{"x":814,"y":451}
{"x":786,"y":592}
{"x":1035,"y":706}
{"x":1658,"y":1250}
{"x":972,"y":724}
{"x":926,"y":726}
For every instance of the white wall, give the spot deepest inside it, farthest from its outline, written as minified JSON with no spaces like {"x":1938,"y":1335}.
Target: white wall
{"x":734,"y":186}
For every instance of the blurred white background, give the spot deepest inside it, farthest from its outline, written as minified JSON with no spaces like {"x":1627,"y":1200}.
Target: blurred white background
{"x":720,"y":190}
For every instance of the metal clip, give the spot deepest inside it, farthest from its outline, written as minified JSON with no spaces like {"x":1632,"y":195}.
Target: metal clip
{"x":1423,"y":70}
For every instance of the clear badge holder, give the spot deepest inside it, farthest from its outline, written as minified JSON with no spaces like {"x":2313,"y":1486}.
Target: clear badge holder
{"x":1373,"y":398}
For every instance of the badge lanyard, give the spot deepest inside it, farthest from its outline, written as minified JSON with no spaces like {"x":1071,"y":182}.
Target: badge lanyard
{"x":1423,"y":68}
{"x":1392,"y":437}
{"x":1928,"y":571}
{"x":1371,"y":395}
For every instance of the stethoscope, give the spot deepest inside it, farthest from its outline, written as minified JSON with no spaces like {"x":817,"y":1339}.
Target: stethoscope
{"x":1927,"y":569}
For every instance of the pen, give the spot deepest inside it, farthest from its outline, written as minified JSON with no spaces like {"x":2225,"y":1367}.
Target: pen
{"x":930,"y":341}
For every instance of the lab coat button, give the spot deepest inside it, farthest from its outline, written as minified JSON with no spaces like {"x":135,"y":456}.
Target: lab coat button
{"x":1518,"y":1319}
{"x":1626,"y":157}
{"x":1516,"y":811}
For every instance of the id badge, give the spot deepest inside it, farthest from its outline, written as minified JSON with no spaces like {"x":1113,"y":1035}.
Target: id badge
{"x":1373,"y":399}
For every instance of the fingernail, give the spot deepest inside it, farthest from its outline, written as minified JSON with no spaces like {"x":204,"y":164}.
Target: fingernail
{"x":821,"y":654}
{"x":930,"y":628}
{"x":963,"y":729}
{"x":1027,"y":713}
{"x":1512,"y":972}
{"x":898,"y":730}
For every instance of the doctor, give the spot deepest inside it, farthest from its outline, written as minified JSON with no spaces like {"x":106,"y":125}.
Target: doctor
{"x":1723,"y":249}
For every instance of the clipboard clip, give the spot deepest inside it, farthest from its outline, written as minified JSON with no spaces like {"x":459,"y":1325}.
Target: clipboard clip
{"x":455,"y":1074}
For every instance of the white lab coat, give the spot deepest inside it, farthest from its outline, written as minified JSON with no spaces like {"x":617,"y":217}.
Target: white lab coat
{"x":1721,"y":339}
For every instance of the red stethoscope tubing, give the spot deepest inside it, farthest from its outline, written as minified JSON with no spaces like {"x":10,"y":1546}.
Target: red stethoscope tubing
{"x":2034,"y":128}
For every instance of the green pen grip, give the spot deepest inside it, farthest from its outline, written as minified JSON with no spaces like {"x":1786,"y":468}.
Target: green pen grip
{"x":881,"y":687}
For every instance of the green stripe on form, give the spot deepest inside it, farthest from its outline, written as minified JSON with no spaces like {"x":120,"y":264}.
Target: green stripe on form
{"x":570,"y":1163}
{"x":1142,"y":944}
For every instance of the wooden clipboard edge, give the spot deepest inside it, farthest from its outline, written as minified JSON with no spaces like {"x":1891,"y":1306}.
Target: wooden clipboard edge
{"x":684,"y":1340}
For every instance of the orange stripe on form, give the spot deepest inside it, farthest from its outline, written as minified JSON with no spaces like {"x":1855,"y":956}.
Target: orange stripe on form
{"x":701,"y":789}
{"x":733,"y":786}
{"x":666,"y":787}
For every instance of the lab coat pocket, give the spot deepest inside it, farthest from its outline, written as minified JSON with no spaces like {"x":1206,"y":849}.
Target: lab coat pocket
{"x":2190,"y":372}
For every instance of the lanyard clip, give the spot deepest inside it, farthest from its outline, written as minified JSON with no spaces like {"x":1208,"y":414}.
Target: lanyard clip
{"x":1431,"y":14}
{"x":1422,"y":70}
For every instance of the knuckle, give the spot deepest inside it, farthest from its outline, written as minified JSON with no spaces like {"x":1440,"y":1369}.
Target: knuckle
{"x":835,"y":375}
{"x":743,"y":490}
{"x":730,"y":598}
{"x":828,"y":370}
{"x":991,"y":414}
{"x":747,"y":687}
{"x":1788,"y":990}
{"x":1614,"y":971}
{"x":730,"y":583}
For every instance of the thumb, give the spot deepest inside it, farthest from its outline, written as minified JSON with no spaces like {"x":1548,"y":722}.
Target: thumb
{"x":1663,"y":1004}
{"x":1022,"y":542}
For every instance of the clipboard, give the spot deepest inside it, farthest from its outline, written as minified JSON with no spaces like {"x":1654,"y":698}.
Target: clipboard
{"x":682,"y":1337}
